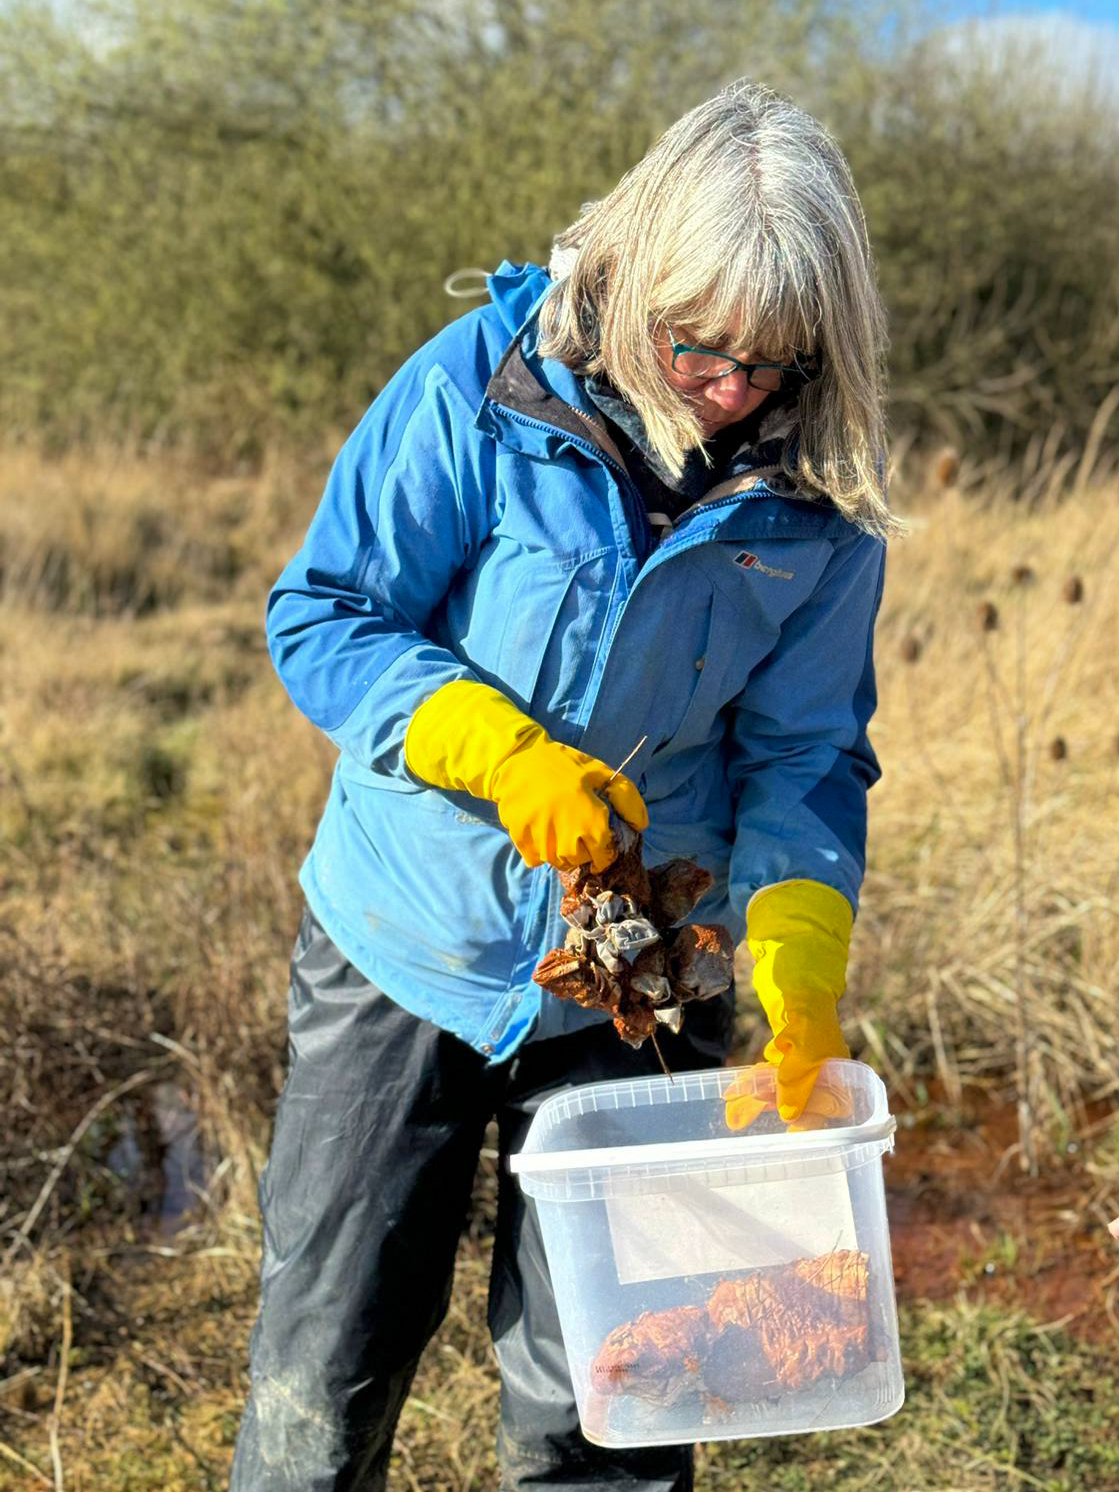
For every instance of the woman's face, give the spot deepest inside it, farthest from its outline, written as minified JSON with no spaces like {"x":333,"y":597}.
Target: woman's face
{"x":718,"y":402}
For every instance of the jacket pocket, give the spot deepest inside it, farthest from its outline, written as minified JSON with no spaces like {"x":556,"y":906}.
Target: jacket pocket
{"x":552,"y":630}
{"x":693,"y":690}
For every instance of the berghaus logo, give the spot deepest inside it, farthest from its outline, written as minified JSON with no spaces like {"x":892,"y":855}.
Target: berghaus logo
{"x":750,"y":561}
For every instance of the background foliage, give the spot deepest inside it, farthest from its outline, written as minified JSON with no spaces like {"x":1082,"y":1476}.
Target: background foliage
{"x":224,"y":222}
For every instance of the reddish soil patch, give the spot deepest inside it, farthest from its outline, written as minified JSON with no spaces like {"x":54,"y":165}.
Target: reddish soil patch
{"x":963,"y":1216}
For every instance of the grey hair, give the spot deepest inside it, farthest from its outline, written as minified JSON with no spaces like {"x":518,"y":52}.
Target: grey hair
{"x":741,"y":225}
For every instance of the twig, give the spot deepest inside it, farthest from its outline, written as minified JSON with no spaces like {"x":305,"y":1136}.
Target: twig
{"x":104,"y":1102}
{"x":21,"y":1377}
{"x":176,"y":1047}
{"x":165,"y":1251}
{"x":1027,"y":1115}
{"x":63,"y":1375}
{"x":996,"y":693}
{"x":660,"y":1057}
{"x":442,"y":1414}
{"x":897,"y":1078}
{"x":949,"y":1071}
{"x":947,"y":798}
{"x":1056,"y":674}
{"x":161,"y":1368}
{"x":24,"y":1463}
{"x":627,"y":761}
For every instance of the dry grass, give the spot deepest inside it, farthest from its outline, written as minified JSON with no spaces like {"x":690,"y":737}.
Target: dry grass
{"x":989,"y":737}
{"x":106,"y":534}
{"x":158,"y":792}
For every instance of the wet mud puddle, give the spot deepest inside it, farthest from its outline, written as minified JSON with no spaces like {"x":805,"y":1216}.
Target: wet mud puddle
{"x":964,"y":1216}
{"x":159,"y":1157}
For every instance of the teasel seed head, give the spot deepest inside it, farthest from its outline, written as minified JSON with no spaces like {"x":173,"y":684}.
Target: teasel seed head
{"x":1058,"y":749}
{"x":1022,"y":575}
{"x":988,"y":617}
{"x":946,"y":467}
{"x":911,"y":649}
{"x":1073,"y":590}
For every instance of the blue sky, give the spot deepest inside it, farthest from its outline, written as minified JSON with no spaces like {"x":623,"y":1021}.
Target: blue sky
{"x":1102,"y":12}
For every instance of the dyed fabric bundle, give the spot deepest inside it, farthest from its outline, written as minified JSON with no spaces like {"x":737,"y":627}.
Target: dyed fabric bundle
{"x":623,"y":952}
{"x":760,"y":1335}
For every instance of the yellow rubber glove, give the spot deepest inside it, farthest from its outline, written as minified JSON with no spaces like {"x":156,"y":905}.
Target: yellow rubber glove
{"x":554,"y":801}
{"x":825,"y":1103}
{"x":798,"y":933}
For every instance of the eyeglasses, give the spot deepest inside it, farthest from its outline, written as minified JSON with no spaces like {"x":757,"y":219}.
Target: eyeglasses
{"x":702,"y":364}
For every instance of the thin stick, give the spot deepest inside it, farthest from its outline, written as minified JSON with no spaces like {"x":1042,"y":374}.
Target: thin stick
{"x":23,"y":1462}
{"x":947,"y":796}
{"x":1024,"y":1044}
{"x":63,"y":1374}
{"x":68,"y":1150}
{"x":627,"y":761}
{"x":660,"y":1057}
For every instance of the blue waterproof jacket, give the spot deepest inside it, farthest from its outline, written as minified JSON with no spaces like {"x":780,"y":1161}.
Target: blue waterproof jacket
{"x":479,"y":524}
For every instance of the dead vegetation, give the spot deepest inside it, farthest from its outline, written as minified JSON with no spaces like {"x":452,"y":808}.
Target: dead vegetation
{"x":992,"y":895}
{"x":157,"y":795}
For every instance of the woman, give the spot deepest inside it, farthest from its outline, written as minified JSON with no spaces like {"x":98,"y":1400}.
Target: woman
{"x":638,"y":499}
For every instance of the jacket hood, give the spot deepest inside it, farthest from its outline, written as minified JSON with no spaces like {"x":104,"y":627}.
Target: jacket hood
{"x":523,"y":380}
{"x":515,"y":290}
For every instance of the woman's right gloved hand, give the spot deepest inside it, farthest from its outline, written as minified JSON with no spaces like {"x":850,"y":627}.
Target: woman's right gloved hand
{"x":554,"y":801}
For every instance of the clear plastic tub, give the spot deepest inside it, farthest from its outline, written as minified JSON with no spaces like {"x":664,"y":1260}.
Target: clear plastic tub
{"x":716,"y":1284}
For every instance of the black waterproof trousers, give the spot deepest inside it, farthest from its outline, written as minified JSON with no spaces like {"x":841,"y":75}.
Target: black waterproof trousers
{"x":363,"y":1199}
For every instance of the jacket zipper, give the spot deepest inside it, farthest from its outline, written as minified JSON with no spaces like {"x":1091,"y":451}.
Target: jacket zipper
{"x":625,"y":481}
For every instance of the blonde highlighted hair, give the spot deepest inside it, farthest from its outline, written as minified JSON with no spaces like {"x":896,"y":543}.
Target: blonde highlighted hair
{"x":741,"y":227}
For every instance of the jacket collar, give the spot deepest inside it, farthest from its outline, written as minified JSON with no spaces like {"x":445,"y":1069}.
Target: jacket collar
{"x":517,"y":387}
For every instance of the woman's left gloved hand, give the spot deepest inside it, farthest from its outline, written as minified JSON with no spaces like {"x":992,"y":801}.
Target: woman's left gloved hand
{"x":798,"y":933}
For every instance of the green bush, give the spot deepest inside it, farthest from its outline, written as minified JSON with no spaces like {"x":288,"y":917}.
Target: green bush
{"x":226,"y":223}
{"x":994,"y":210}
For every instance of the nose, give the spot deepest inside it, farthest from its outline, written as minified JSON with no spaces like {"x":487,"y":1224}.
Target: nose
{"x":734,"y":393}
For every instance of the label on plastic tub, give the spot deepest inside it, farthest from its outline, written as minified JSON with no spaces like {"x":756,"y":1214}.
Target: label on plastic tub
{"x":695,"y":1228}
